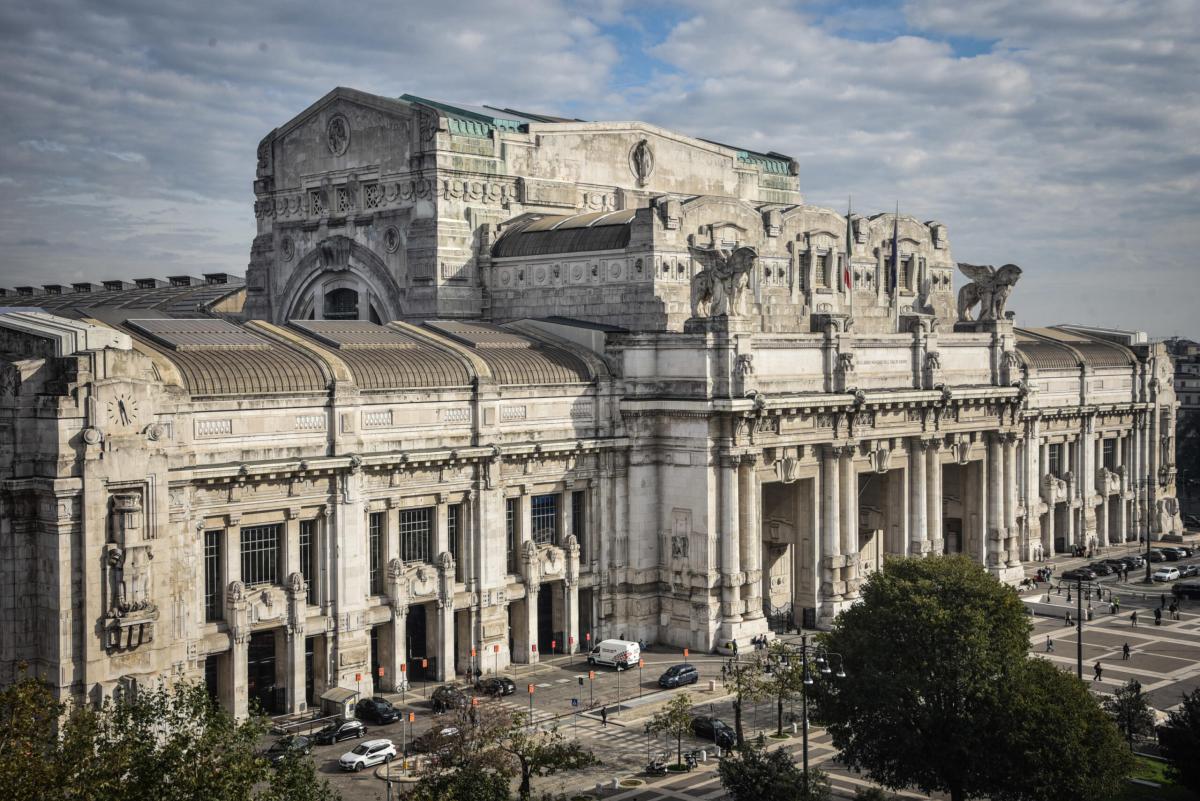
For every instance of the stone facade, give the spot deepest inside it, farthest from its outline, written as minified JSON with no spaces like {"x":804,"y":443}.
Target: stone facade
{"x":500,"y":385}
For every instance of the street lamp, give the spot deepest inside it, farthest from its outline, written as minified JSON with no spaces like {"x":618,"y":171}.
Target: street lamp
{"x":1082,"y":584}
{"x":821,"y":660}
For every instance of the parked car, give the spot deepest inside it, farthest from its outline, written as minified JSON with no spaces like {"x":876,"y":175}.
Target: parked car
{"x":376,"y":710}
{"x":1079,"y":573}
{"x":1157,"y":555}
{"x":496,"y":686}
{"x":714,"y":729}
{"x":340,"y":729}
{"x":1186,"y":551}
{"x":1166,"y":574}
{"x":291,"y":744}
{"x":372,"y":752}
{"x":1134,"y":560}
{"x":448,"y":697}
{"x":1118,"y":564}
{"x":679,"y":675}
{"x":434,"y":741}
{"x":1186,"y":589}
{"x":1172,"y":554}
{"x":1187,"y":571}
{"x":1101,"y":568}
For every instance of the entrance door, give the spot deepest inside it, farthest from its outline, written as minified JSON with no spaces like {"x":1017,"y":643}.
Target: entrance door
{"x":309,"y":672}
{"x":417,"y":638}
{"x":260,"y":672}
{"x":545,"y":612}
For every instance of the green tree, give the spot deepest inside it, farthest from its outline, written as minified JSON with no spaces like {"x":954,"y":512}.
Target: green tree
{"x":755,"y":774}
{"x":1180,"y":741}
{"x":468,"y":781}
{"x":936,"y":673}
{"x":1131,"y":711}
{"x":29,"y":752}
{"x":781,"y":679}
{"x":742,"y":677}
{"x":675,"y":720}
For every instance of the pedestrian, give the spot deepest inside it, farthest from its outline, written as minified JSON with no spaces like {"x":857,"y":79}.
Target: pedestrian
{"x":1133,"y":618}
{"x":1049,"y":645}
{"x":1098,"y":669}
{"x":1068,"y":595}
{"x":1158,"y":617}
{"x":1112,"y":607}
{"x":1069,"y":621}
{"x":1125,"y":652}
{"x":1162,"y":601}
{"x":604,"y":716}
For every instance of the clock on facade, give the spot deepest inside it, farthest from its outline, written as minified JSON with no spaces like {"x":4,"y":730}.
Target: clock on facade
{"x":122,"y":410}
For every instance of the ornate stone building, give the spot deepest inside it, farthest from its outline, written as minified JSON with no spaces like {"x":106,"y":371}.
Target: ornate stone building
{"x":500,"y":384}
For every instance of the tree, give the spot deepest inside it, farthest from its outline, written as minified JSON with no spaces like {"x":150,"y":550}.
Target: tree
{"x":470,"y":781}
{"x":541,"y":753}
{"x":168,"y":743}
{"x":1131,"y":711}
{"x":756,"y":774}
{"x":781,"y":679}
{"x":936,"y":671}
{"x":1180,"y":740}
{"x":744,"y":678}
{"x":675,"y":720}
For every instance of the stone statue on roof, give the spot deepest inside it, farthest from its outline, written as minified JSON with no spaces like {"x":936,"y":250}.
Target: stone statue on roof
{"x":719,"y":289}
{"x":989,"y":288}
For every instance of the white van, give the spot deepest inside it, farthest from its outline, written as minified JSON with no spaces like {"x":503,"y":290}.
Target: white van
{"x":616,"y":653}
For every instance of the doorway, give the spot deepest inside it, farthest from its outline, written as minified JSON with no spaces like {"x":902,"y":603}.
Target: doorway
{"x":417,"y":644}
{"x":260,"y":672}
{"x":545,"y":613}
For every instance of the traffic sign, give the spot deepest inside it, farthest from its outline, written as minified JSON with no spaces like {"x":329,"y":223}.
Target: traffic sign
{"x":574,"y":702}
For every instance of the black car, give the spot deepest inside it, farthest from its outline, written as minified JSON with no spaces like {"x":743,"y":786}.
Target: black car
{"x":1078,"y":573}
{"x":448,"y":697}
{"x":435,"y":741}
{"x":291,"y":744}
{"x":679,"y":675}
{"x":496,"y":686}
{"x":1157,"y":555}
{"x":1133,"y":560}
{"x":340,"y":729}
{"x":1118,"y":564}
{"x":1186,"y":589}
{"x":1187,"y":571}
{"x":714,"y":729}
{"x":1172,"y":554}
{"x":376,"y":710}
{"x":1101,"y":568}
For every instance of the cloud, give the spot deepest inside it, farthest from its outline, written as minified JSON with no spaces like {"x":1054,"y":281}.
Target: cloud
{"x":1058,"y":135}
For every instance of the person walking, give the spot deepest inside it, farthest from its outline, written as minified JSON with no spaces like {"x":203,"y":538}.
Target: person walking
{"x":1133,"y":618}
{"x":1162,"y":601}
{"x":604,"y":716}
{"x":1099,"y":671}
{"x":1158,"y":617}
{"x":1049,"y":645}
{"x":1125,"y":652}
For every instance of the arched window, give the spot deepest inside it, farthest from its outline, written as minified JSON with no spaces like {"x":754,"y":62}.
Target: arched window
{"x":341,"y":304}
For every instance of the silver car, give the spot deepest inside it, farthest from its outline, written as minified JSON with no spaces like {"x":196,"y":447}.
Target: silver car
{"x":372,"y":752}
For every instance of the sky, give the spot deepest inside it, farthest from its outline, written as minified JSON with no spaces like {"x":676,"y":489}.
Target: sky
{"x":1060,"y":135}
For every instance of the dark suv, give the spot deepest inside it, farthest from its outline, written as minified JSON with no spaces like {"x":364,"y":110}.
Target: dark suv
{"x":447,"y":698}
{"x":718,"y":731}
{"x":376,"y":710}
{"x":678,"y":676}
{"x":291,"y":744}
{"x":1186,"y":589}
{"x":340,"y":729}
{"x":496,"y":686}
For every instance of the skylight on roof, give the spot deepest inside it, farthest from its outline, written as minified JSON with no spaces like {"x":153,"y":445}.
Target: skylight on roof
{"x":199,"y":334}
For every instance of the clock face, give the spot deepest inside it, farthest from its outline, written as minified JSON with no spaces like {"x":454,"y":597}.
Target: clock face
{"x":123,"y":410}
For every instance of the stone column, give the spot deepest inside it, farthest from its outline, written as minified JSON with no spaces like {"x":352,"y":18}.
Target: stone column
{"x":1048,"y":532}
{"x":919,"y":502}
{"x":571,"y":595}
{"x":933,"y":498}
{"x":297,"y":596}
{"x":750,"y":533}
{"x":849,"y":519}
{"x":1069,"y":534}
{"x":237,"y":615}
{"x":1012,"y":544}
{"x":291,"y":542}
{"x":730,"y":541}
{"x":832,"y":586}
{"x":394,"y":667}
{"x":997,"y":533}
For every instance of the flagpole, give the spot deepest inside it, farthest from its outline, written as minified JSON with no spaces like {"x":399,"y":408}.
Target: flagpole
{"x":896,"y":264}
{"x":850,"y":250}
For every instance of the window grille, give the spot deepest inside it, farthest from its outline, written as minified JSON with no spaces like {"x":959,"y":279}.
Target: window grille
{"x":453,"y":519}
{"x":260,"y":555}
{"x":512,"y":531}
{"x":579,"y":520}
{"x":1055,"y":468}
{"x":372,"y":196}
{"x":416,"y":534}
{"x":308,"y":538}
{"x":376,"y":529}
{"x":821,"y":270}
{"x":316,"y":207}
{"x":544,"y":519}
{"x":1110,"y":454}
{"x":345,"y":203}
{"x":341,"y":304}
{"x":212,"y":574}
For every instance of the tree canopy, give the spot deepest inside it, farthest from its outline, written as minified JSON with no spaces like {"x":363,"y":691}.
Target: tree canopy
{"x":1180,"y":740}
{"x":166,"y":743}
{"x":754,"y":773}
{"x":1131,"y":711}
{"x":941,"y":695}
{"x":675,"y":720}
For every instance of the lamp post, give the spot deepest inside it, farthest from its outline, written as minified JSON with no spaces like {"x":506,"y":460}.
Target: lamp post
{"x":1081,"y":584}
{"x":821,"y":660}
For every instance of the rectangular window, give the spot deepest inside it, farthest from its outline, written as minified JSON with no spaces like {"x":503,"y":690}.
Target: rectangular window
{"x":453,"y":521}
{"x":376,"y":531}
{"x":1110,"y":454}
{"x":512,"y":510}
{"x":544,"y":519}
{"x":579,"y":520}
{"x":416,"y":534}
{"x":821,"y":270}
{"x":260,"y":554}
{"x":1055,"y":467}
{"x":212,"y":574}
{"x":308,"y":538}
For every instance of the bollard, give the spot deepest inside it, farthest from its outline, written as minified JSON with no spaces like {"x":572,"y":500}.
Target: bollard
{"x":704,"y":755}
{"x":712,"y":685}
{"x":719,"y":752}
{"x":599,"y":789}
{"x":793,"y":727}
{"x":616,"y":783}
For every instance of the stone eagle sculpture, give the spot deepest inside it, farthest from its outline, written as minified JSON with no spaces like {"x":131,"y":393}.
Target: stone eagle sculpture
{"x":989,"y":287}
{"x":719,"y":289}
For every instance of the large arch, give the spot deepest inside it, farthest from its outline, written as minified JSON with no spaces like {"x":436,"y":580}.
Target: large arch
{"x":340,"y":261}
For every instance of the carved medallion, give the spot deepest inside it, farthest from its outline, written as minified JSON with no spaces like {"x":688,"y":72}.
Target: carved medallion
{"x":337,"y":135}
{"x":391,"y":239}
{"x":287,"y":248}
{"x":641,"y":161}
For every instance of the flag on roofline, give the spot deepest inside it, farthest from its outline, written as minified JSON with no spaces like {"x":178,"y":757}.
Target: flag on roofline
{"x":847,"y":279}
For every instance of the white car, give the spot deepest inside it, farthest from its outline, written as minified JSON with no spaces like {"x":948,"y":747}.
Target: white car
{"x":372,"y":752}
{"x":1166,"y":574}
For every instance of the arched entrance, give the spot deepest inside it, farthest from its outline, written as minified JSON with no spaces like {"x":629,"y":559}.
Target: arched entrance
{"x":341,"y":280}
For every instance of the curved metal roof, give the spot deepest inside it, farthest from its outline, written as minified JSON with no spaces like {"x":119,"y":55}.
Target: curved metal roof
{"x":383,"y":358}
{"x":1056,"y":349}
{"x":542,"y":235}
{"x":514,"y":358}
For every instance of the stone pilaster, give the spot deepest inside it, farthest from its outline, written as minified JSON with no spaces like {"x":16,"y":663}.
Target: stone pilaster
{"x":297,"y":598}
{"x":919,"y":503}
{"x":832,"y":586}
{"x":996,"y":532}
{"x":933,"y":515}
{"x":750,"y":533}
{"x":848,"y":525}
{"x":730,"y":544}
